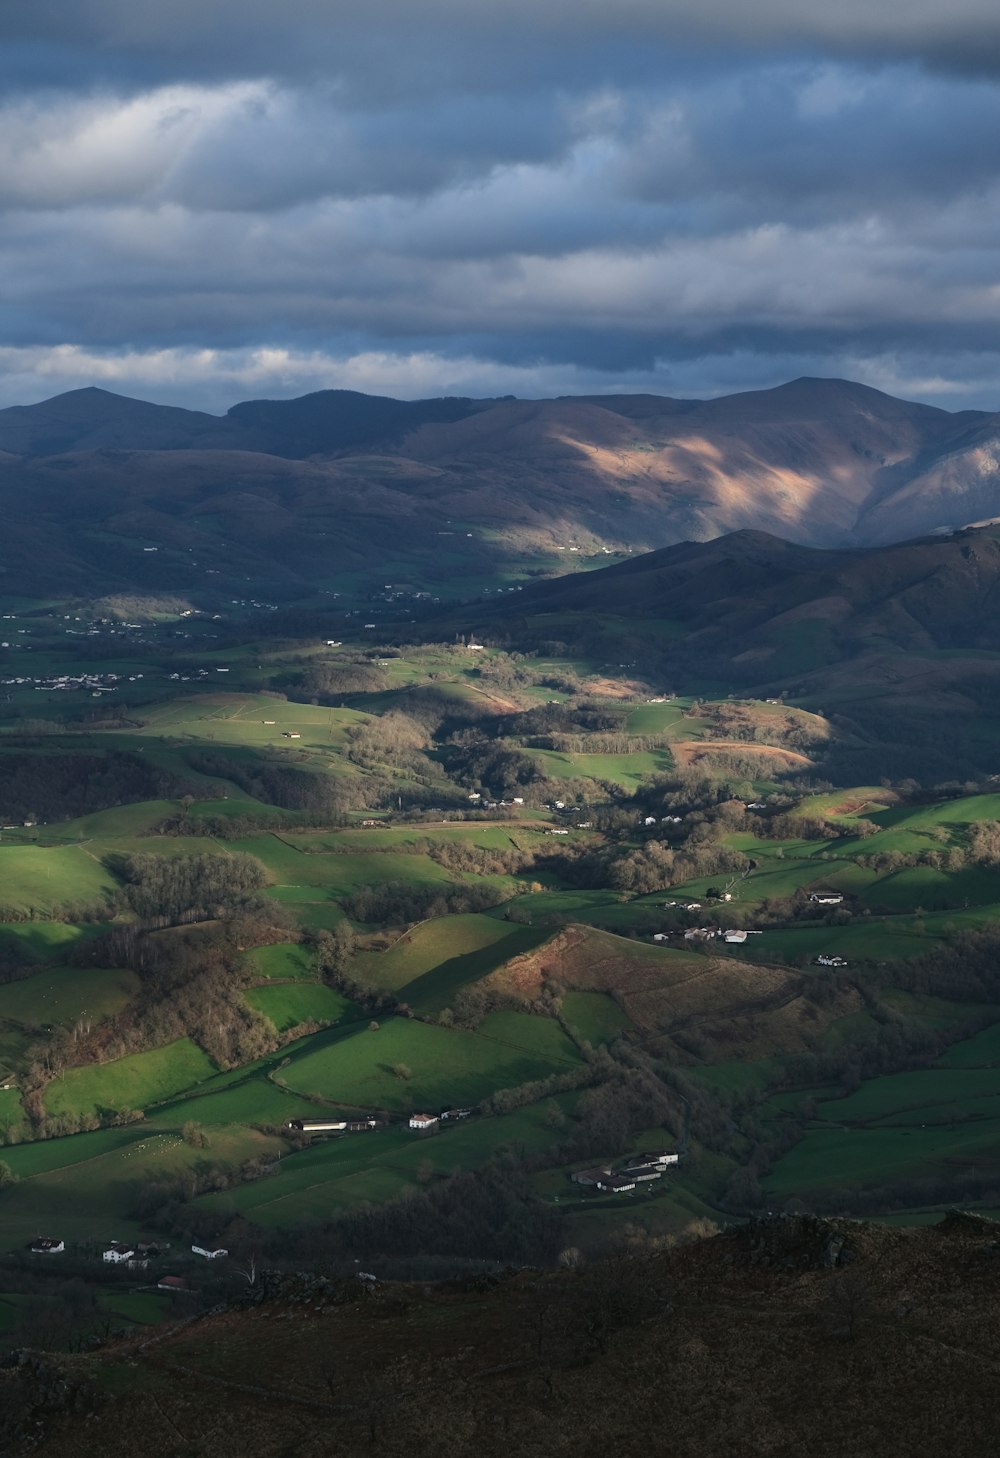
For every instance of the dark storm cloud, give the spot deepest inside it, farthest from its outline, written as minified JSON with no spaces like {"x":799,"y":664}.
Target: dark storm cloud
{"x":202,"y":200}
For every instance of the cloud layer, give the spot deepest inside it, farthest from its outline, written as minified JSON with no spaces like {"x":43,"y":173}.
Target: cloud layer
{"x":204,"y":201}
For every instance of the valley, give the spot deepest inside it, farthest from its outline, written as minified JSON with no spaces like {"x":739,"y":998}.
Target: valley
{"x":562,"y":905}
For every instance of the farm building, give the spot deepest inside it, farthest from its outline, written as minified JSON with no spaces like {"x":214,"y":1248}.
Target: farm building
{"x":660,"y":1158}
{"x":318,"y":1126}
{"x":660,"y":936}
{"x":171,"y":1283}
{"x":423,"y":1121}
{"x":456,"y":1114}
{"x":118,"y":1252}
{"x":48,"y":1245}
{"x":735,"y":936}
{"x":823,"y":960}
{"x":643,"y":1172}
{"x":826,"y":898}
{"x":209,"y":1252}
{"x":591,"y":1176}
{"x":616,"y":1184}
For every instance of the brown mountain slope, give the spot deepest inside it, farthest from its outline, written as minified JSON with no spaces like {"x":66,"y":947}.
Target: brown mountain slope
{"x":789,"y":1336}
{"x":821,"y":462}
{"x":805,"y":461}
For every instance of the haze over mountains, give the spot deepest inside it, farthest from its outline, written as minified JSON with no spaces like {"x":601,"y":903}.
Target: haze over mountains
{"x":296,"y":491}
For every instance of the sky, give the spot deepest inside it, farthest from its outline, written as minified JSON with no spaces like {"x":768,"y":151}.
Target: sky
{"x":213,"y":200}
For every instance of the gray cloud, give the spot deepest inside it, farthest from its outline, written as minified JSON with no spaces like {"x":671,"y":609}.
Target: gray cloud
{"x":219,"y":198}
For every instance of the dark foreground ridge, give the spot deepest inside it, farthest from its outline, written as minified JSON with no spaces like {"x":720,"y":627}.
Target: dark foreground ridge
{"x":790,"y":1335}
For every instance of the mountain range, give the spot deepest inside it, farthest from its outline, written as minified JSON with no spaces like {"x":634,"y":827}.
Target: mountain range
{"x":295,"y":494}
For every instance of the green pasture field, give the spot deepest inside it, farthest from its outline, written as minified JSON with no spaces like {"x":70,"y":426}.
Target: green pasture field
{"x":339,"y":1173}
{"x":253,"y":1099}
{"x":338,"y":874}
{"x":472,"y":833}
{"x":980,"y":1051}
{"x":627,"y":770}
{"x":308,"y":913}
{"x":866,"y":801}
{"x":83,"y":1187}
{"x":132,"y":1082}
{"x":232,"y":807}
{"x":595,"y":1016}
{"x":656,"y":718}
{"x":44,"y":941}
{"x":283,"y":960}
{"x":933,"y":890}
{"x":899,"y":1093}
{"x":63,"y":994}
{"x":736,"y":1078}
{"x":877,"y":1155}
{"x":289,"y":1003}
{"x":436,"y":959}
{"x":47,"y":1156}
{"x":11,"y":1114}
{"x":137,"y":819}
{"x":541,"y":1036}
{"x":859,"y":941}
{"x":144,"y":1308}
{"x":448,"y":1066}
{"x":550,"y":908}
{"x":239,"y":719}
{"x":40,"y":880}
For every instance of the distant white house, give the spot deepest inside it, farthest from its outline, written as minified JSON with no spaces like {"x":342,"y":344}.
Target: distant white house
{"x":48,"y":1245}
{"x":119,"y":1252}
{"x":659,"y":936}
{"x":736,"y":936}
{"x":826,"y":898}
{"x":210,"y":1253}
{"x":423,"y":1121}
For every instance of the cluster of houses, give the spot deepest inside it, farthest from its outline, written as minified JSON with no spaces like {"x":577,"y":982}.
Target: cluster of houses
{"x":423,"y":1122}
{"x":132,"y":1256}
{"x":734,"y":936}
{"x":95,"y":683}
{"x":827,"y":959}
{"x":368,"y":1122}
{"x":641,"y":1169}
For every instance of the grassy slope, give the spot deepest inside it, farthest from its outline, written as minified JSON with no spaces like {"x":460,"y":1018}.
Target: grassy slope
{"x":132,"y":1082}
{"x":448,"y":1066}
